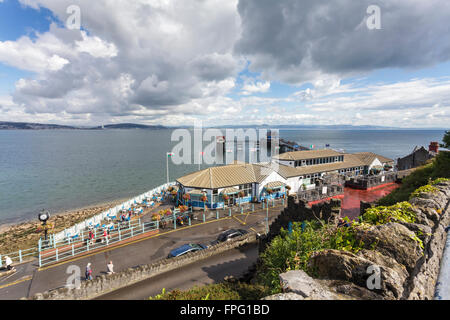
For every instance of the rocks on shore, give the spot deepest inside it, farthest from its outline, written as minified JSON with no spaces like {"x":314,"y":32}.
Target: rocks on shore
{"x":26,"y":235}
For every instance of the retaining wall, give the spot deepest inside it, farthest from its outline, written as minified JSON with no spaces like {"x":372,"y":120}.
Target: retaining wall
{"x":107,"y":283}
{"x":298,"y":211}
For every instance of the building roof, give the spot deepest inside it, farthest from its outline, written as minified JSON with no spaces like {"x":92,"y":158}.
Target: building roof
{"x":225,"y":176}
{"x":307,"y":154}
{"x":275,"y":184}
{"x":240,"y":173}
{"x":368,"y":157}
{"x":230,"y":191}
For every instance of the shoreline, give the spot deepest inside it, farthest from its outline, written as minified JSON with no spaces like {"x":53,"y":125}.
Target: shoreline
{"x":25,"y":234}
{"x":105,"y":204}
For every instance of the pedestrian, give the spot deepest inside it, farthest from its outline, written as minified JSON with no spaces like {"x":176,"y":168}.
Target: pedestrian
{"x":110,"y":268}
{"x":88,"y":272}
{"x":91,"y":237}
{"x":105,"y":236}
{"x":8,"y":262}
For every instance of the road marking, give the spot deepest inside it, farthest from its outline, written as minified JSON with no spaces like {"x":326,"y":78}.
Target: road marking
{"x":242,"y":222}
{"x":16,"y":282}
{"x":146,"y":238}
{"x":128,"y":243}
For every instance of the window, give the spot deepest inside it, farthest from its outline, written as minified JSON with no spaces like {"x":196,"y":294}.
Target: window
{"x":247,"y":188}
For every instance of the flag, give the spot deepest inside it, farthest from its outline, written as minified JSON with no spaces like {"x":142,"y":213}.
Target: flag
{"x":327,"y":145}
{"x":312,"y":146}
{"x":170,"y":154}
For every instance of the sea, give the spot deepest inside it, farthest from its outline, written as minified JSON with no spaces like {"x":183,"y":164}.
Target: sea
{"x":62,"y":170}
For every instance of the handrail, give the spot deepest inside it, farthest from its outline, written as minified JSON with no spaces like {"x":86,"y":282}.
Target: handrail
{"x":114,"y":211}
{"x":19,"y":256}
{"x":63,"y":250}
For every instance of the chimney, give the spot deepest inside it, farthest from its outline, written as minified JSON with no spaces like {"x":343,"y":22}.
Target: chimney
{"x":434,"y":147}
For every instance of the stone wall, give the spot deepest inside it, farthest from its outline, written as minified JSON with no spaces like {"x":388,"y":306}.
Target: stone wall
{"x":107,"y":283}
{"x":298,"y":211}
{"x":407,"y":271}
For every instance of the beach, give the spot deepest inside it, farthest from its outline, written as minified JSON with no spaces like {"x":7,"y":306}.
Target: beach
{"x":25,"y":235}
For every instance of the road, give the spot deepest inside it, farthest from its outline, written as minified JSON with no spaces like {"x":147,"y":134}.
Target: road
{"x":29,"y":279}
{"x":212,"y":270}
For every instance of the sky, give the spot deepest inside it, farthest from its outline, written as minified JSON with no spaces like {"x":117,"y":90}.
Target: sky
{"x":240,"y":62}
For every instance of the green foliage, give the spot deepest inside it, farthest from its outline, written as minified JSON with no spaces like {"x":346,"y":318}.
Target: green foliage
{"x":446,"y":140}
{"x":293,"y":251}
{"x":439,"y":180}
{"x":401,"y":211}
{"x":441,"y":165}
{"x":438,"y":169}
{"x":424,"y":189}
{"x":221,"y":291}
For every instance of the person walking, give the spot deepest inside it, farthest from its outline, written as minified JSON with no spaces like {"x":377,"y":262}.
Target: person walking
{"x":88,"y":272}
{"x":91,"y":237}
{"x":105,"y":236}
{"x":8,"y":262}
{"x":110,"y":268}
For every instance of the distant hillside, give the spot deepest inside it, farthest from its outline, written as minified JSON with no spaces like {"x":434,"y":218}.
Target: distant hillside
{"x":31,"y":126}
{"x":130,"y":126}
{"x":40,"y":126}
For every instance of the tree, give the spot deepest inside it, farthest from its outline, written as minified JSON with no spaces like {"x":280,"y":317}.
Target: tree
{"x":446,"y":140}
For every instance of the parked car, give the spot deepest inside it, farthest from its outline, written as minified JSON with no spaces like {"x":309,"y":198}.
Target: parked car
{"x":229,"y":234}
{"x":186,"y":248}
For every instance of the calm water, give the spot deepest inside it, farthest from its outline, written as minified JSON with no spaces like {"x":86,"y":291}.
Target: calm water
{"x":63,"y":170}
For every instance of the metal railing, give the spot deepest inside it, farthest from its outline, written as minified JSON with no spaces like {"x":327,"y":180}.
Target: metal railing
{"x":20,"y":256}
{"x":51,"y":251}
{"x":55,"y":251}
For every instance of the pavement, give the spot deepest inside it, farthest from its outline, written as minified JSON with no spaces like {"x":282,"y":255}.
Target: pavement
{"x":29,"y":279}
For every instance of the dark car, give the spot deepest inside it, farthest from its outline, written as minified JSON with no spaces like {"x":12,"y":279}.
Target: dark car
{"x":230,"y":234}
{"x":186,"y":248}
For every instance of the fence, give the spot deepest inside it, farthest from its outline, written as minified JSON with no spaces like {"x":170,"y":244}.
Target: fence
{"x":52,"y":251}
{"x":55,"y":251}
{"x":19,"y":256}
{"x":113,"y":212}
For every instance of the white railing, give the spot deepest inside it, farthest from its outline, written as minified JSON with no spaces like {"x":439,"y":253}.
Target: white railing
{"x":113,"y":212}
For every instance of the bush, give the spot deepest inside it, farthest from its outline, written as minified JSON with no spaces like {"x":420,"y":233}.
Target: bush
{"x":438,"y":169}
{"x":424,"y":189}
{"x":380,"y":215}
{"x":221,"y":291}
{"x":292,"y":251}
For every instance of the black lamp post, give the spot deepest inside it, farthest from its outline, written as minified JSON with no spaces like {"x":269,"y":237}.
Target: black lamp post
{"x":43,"y":217}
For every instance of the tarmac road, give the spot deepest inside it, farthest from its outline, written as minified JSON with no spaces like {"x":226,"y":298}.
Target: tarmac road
{"x":29,"y":279}
{"x":212,"y":270}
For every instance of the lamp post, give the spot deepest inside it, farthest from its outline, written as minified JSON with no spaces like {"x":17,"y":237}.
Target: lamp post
{"x":169,"y":155}
{"x":200,"y":159}
{"x":43,"y":216}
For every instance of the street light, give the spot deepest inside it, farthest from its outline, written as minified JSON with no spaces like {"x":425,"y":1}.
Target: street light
{"x":43,"y":216}
{"x":169,"y":155}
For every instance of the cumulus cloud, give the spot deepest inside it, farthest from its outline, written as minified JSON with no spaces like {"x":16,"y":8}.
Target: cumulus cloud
{"x":128,"y":57}
{"x":251,"y":87}
{"x":301,"y":41}
{"x":170,"y":62}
